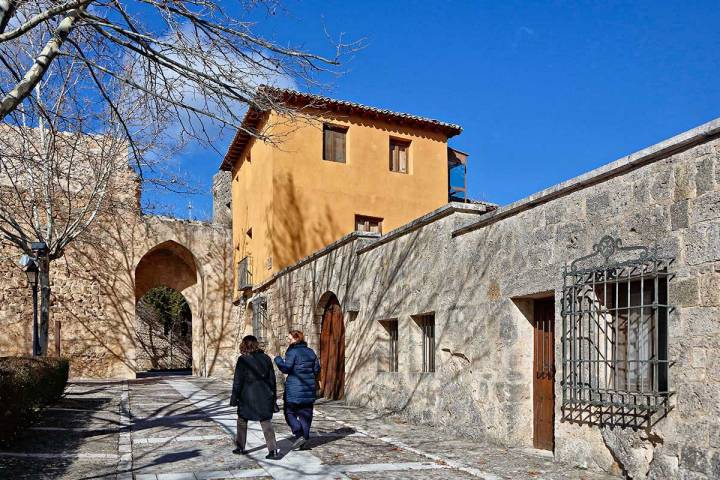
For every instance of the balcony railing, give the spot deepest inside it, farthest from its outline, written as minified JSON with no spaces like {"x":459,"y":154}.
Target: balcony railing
{"x":244,"y":274}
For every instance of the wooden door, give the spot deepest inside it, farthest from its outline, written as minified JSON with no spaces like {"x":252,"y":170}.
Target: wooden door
{"x":544,"y":375}
{"x":332,"y":352}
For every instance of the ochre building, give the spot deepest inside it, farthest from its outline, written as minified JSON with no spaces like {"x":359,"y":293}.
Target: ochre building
{"x":334,"y":168}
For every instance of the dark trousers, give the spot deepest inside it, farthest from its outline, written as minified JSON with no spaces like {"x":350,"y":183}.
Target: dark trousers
{"x":267,"y":429}
{"x":299,"y":418}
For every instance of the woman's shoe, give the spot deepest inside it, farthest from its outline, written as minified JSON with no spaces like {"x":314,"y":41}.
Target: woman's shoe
{"x":298,"y":443}
{"x":273,"y":455}
{"x":239,"y":451}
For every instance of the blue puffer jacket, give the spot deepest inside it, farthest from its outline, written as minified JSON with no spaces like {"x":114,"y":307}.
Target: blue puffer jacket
{"x":301,"y":366}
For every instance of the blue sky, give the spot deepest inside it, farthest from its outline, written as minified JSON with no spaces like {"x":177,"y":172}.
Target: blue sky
{"x":543,"y":90}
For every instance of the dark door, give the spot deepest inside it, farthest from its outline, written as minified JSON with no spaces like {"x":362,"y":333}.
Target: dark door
{"x":544,"y":374}
{"x":332,"y":352}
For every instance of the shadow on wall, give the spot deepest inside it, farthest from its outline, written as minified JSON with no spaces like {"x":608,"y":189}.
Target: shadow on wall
{"x":396,"y":286}
{"x":294,"y":237}
{"x":296,"y":234}
{"x":105,"y":270}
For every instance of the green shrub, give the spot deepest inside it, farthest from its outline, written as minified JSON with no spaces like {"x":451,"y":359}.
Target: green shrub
{"x":26,"y":386}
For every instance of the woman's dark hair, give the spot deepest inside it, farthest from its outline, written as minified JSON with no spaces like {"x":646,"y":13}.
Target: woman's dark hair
{"x":249,"y":344}
{"x":297,"y":335}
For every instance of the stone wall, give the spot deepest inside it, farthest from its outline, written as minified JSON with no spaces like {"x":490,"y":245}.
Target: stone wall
{"x":478,"y":273}
{"x":94,"y":291}
{"x":222,"y":198}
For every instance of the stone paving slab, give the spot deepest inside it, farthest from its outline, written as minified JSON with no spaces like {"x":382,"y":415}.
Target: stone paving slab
{"x":446,"y":474}
{"x":171,"y":427}
{"x":339,"y":451}
{"x":64,"y":442}
{"x":181,"y":427}
{"x":188,"y":457}
{"x":56,"y":468}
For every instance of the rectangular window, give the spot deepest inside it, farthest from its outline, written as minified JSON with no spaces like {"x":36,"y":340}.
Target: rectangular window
{"x":392,"y":327}
{"x":334,"y":143}
{"x":259,"y":318}
{"x":399,"y":156}
{"x":633,"y":317}
{"x":368,"y":224}
{"x":427,"y":325}
{"x":615,"y":329}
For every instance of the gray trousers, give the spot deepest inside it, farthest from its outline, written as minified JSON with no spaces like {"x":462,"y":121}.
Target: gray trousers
{"x":267,"y":429}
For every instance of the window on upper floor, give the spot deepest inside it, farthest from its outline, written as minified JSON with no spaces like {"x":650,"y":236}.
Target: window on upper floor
{"x":399,"y":156}
{"x":334,"y":143}
{"x":368,"y":224}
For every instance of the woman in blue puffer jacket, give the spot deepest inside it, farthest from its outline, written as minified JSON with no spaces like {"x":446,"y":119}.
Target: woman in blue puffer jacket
{"x":301,"y":366}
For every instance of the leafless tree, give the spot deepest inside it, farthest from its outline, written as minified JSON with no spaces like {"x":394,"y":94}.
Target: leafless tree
{"x":87,"y":85}
{"x":56,"y":180}
{"x":187,"y":61}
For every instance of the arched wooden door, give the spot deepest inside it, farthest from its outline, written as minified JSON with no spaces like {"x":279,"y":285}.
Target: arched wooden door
{"x":332,"y":351}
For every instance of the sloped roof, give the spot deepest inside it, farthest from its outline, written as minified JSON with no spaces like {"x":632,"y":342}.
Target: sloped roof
{"x":317,"y":102}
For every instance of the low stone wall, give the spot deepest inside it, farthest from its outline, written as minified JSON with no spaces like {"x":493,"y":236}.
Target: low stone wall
{"x":478,"y":273}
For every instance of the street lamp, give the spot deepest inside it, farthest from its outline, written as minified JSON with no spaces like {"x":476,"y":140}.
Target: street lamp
{"x":30,"y":267}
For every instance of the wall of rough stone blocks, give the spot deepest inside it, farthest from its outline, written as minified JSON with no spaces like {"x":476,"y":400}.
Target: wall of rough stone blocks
{"x":222,"y":198}
{"x":93,"y":297}
{"x":478,"y":285}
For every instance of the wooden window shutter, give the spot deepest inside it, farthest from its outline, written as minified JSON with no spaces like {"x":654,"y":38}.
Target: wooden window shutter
{"x":339,"y":146}
{"x":399,"y":160}
{"x":334,"y":144}
{"x":402,"y":153}
{"x":327,"y":144}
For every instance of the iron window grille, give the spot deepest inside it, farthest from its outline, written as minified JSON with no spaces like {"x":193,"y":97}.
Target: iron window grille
{"x":393,"y":331}
{"x":615,"y":329}
{"x":427,"y":324}
{"x":259,"y":318}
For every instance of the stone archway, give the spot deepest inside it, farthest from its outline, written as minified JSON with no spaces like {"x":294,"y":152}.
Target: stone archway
{"x":163,"y":323}
{"x":332,"y":347}
{"x":171,"y":269}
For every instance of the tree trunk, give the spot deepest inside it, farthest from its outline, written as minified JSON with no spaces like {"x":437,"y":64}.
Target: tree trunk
{"x":44,"y":283}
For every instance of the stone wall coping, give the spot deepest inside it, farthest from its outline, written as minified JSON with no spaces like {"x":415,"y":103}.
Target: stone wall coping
{"x":646,"y":156}
{"x":350,"y":237}
{"x":447,"y":209}
{"x":198,"y":223}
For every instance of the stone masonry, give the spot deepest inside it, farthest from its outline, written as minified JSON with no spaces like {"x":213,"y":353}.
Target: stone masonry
{"x":478,"y":271}
{"x":95,"y":288}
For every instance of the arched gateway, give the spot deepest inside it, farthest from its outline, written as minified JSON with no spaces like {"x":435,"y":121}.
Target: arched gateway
{"x":332,"y":348}
{"x":165,"y":278}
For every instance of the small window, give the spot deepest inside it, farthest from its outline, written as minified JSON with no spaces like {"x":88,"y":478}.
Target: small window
{"x":427,"y":326}
{"x":249,"y":233}
{"x":259,"y":318}
{"x":399,"y":156}
{"x":391,"y":326}
{"x":368,"y":224}
{"x":334,"y":143}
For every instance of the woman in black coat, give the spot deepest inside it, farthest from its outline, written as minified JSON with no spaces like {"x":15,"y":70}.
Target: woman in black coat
{"x":254,"y":393}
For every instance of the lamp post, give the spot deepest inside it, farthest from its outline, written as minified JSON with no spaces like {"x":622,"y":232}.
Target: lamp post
{"x":30,"y":267}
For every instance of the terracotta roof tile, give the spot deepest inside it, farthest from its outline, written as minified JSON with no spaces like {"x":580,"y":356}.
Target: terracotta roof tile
{"x":302,"y":99}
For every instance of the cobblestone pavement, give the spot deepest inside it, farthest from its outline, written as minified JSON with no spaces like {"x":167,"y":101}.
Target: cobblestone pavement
{"x":180,"y":428}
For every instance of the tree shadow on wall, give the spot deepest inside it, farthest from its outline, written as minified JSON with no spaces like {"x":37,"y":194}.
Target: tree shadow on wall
{"x":103,"y":322}
{"x":294,"y":236}
{"x":397,"y":285}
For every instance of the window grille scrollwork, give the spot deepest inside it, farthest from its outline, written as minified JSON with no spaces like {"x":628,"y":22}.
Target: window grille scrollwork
{"x":615,"y":312}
